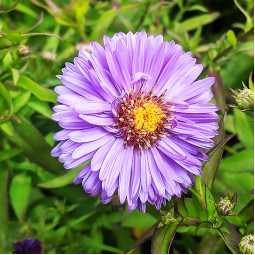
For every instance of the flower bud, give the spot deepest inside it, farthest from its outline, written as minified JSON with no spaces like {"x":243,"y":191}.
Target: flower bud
{"x":167,"y":218}
{"x":48,"y":56}
{"x":245,"y":99}
{"x":24,"y":50}
{"x":28,"y":246}
{"x":83,"y":46}
{"x":246,"y":244}
{"x":225,"y":206}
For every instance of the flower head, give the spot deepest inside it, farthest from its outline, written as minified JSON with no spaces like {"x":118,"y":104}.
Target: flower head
{"x":245,"y":97}
{"x":28,"y":246}
{"x":247,"y":244}
{"x":134,"y":107}
{"x":227,"y":205}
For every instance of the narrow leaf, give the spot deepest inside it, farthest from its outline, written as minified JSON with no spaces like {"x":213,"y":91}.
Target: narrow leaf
{"x":7,"y":154}
{"x":163,"y":237}
{"x":231,"y":240}
{"x":42,"y":93}
{"x":201,"y":20}
{"x":19,"y":192}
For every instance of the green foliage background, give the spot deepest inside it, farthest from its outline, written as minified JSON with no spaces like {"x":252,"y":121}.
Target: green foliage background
{"x":37,"y":198}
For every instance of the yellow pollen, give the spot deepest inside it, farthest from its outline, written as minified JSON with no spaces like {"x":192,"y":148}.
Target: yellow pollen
{"x":148,"y":117}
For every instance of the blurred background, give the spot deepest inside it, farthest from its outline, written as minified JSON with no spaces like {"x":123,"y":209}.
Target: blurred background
{"x":37,"y":37}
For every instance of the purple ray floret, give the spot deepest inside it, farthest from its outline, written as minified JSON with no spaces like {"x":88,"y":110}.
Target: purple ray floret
{"x":134,"y":106}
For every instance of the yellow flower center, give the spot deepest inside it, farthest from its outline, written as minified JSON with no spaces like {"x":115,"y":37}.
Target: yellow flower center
{"x":148,"y":117}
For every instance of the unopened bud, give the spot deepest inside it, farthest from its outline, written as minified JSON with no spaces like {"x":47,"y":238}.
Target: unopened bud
{"x":246,"y":244}
{"x":245,"y":99}
{"x":225,"y":206}
{"x":48,"y":56}
{"x":28,"y":246}
{"x":167,"y":218}
{"x":24,"y":50}
{"x":83,"y":46}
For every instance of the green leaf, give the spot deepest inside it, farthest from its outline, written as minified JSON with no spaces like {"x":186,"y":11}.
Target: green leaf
{"x":7,"y":128}
{"x":182,"y":208}
{"x":26,"y":10}
{"x":103,"y":23}
{"x":40,"y":106}
{"x":90,"y":242}
{"x":244,"y":128}
{"x":15,"y":76}
{"x":247,"y":213}
{"x":20,"y":101}
{"x":243,"y":161}
{"x":231,"y":240}
{"x":5,"y":104}
{"x":32,"y":143}
{"x":19,"y":193}
{"x":7,"y":154}
{"x":163,"y":237}
{"x":210,"y":203}
{"x":10,"y":9}
{"x":4,"y":43}
{"x":231,"y":38}
{"x":201,"y":20}
{"x":42,"y":93}
{"x":197,"y":7}
{"x":4,"y":218}
{"x":211,"y":167}
{"x":7,"y":60}
{"x":138,"y":219}
{"x":63,"y":180}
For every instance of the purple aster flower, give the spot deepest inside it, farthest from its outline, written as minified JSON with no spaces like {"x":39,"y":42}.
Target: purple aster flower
{"x":28,"y":246}
{"x":134,"y":107}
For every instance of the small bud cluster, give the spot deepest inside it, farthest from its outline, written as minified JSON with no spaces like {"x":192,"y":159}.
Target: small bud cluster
{"x":246,"y":244}
{"x":48,"y":56}
{"x":83,"y":46}
{"x":167,"y":218}
{"x":245,"y":98}
{"x":226,"y":205}
{"x":24,"y":50}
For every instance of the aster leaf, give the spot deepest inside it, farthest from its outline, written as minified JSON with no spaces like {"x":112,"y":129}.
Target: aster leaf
{"x":90,"y":242}
{"x":163,"y":237}
{"x":19,"y":193}
{"x":6,"y":106}
{"x":182,"y":207}
{"x":40,"y":106}
{"x":244,"y":128}
{"x":247,"y":213}
{"x":201,"y":20}
{"x":7,"y":128}
{"x":42,"y":93}
{"x":138,"y":219}
{"x":9,"y":153}
{"x":210,"y":204}
{"x":231,"y":240}
{"x":13,"y":7}
{"x":4,"y":203}
{"x":210,"y":168}
{"x":20,"y":101}
{"x":218,"y":90}
{"x":61,"y":181}
{"x":242,"y":161}
{"x":25,"y":135}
